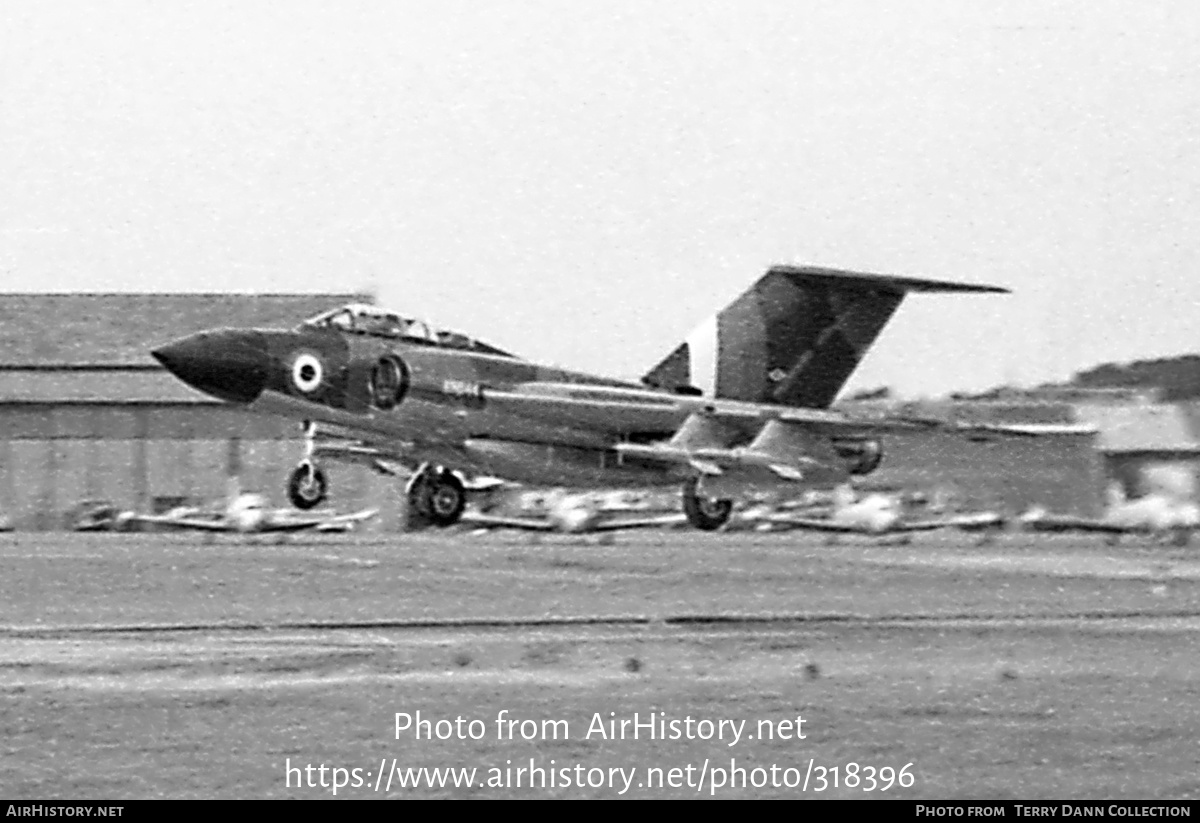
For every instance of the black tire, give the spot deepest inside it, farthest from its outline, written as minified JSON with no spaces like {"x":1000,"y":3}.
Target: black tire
{"x":306,"y":492}
{"x":441,"y":498}
{"x":702,"y":512}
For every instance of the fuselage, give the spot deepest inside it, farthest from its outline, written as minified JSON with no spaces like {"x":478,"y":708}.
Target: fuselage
{"x":438,"y":404}
{"x":440,"y":398}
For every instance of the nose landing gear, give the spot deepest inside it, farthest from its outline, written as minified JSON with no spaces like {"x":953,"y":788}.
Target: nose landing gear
{"x":307,"y":486}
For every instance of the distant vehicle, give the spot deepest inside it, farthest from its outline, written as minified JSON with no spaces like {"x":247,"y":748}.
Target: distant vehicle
{"x":880,"y":514}
{"x":742,"y":404}
{"x":1158,"y":514}
{"x":248,"y":514}
{"x":574,"y":513}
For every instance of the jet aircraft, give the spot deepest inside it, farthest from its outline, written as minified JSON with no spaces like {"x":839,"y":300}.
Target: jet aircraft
{"x":1157,"y":514}
{"x":880,"y":514}
{"x":742,"y":404}
{"x":248,"y":514}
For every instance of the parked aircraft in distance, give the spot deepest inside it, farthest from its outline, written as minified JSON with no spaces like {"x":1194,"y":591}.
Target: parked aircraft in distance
{"x":1157,"y":514}
{"x":573,"y":513}
{"x":248,"y":514}
{"x":878,"y":513}
{"x":740,"y":405}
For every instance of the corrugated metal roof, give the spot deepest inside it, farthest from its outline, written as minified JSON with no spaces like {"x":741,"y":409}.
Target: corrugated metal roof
{"x":120,"y":329}
{"x":1140,"y":427}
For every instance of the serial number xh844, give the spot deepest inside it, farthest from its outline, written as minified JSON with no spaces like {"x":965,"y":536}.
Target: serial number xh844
{"x":742,"y":404}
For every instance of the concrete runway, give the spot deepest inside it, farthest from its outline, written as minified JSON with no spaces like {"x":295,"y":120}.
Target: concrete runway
{"x":1024,"y":668}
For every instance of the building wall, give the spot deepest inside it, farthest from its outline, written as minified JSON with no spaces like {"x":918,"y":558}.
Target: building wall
{"x":1063,"y":473}
{"x":53,"y":457}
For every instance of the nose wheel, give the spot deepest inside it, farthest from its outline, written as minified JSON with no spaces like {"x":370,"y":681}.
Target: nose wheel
{"x":307,"y":486}
{"x":703,"y":512}
{"x":437,"y":495}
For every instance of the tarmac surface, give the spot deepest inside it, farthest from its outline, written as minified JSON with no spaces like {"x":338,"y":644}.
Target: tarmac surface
{"x":1027,"y":667}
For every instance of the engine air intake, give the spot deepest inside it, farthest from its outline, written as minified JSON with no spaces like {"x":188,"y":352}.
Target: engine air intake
{"x":389,"y":382}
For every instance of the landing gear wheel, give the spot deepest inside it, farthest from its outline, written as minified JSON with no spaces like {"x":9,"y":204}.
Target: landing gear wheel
{"x":440,"y":497}
{"x":702,"y":512}
{"x":307,"y":487}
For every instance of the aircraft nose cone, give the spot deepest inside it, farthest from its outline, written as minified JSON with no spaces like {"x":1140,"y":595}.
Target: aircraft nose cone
{"x":229,"y":364}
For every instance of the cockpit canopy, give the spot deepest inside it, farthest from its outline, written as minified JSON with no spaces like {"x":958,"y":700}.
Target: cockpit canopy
{"x":363,"y":318}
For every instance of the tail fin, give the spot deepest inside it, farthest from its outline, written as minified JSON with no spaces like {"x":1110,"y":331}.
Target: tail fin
{"x":793,"y":338}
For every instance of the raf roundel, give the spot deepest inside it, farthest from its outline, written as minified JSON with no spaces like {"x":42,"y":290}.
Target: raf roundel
{"x":307,"y":372}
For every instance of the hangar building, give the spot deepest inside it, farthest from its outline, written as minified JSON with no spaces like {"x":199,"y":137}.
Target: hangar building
{"x":1149,"y":447}
{"x":87,"y":415}
{"x":1061,"y":472}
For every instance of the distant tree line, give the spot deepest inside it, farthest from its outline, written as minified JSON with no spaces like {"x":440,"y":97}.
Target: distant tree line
{"x":1175,"y":379}
{"x":1178,"y":378}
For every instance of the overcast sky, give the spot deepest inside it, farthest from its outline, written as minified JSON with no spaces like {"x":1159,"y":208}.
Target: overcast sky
{"x":583,"y":182}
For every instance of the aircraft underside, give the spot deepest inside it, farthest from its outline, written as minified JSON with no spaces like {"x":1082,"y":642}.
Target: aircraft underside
{"x":434,"y":488}
{"x":433,"y":473}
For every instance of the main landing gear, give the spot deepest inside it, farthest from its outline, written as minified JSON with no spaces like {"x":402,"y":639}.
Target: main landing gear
{"x":703,"y":512}
{"x":434,"y":494}
{"x":437,"y":495}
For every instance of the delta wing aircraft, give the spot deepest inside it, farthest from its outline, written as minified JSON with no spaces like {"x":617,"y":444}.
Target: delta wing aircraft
{"x":249,"y":514}
{"x":740,"y":405}
{"x":881,"y":514}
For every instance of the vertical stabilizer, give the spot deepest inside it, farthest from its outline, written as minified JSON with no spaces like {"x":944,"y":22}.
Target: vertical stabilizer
{"x":793,"y":338}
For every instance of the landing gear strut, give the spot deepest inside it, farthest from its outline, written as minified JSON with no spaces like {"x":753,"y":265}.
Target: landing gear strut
{"x":437,"y":495}
{"x":702,"y":512}
{"x":307,"y":486}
